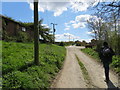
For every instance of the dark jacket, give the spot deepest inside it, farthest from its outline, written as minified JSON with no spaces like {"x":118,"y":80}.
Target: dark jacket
{"x":106,"y":59}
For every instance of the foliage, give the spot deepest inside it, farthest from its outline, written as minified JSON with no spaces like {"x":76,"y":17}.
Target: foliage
{"x":19,"y":70}
{"x":116,"y":63}
{"x":115,"y":60}
{"x":61,"y":44}
{"x":78,"y":43}
{"x":91,"y":52}
{"x":105,"y":31}
{"x":106,"y":9}
{"x":22,"y":36}
{"x":106,"y":27}
{"x":44,"y":32}
{"x":6,"y":37}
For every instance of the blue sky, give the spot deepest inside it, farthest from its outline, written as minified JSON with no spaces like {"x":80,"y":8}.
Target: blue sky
{"x":71,"y":18}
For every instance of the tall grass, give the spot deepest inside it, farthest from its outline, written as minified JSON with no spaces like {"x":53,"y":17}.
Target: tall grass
{"x":19,"y":70}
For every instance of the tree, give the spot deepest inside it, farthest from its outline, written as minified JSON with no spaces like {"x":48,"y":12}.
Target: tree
{"x":106,"y":9}
{"x":83,"y":43}
{"x":107,"y":27}
{"x":44,"y":32}
{"x":110,"y":12}
{"x":93,"y":42}
{"x":99,"y":29}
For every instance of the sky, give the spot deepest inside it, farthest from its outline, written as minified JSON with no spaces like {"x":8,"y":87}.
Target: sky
{"x":70,"y":17}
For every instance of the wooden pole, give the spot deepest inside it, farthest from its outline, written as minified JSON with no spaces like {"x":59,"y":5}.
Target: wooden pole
{"x":54,"y":32}
{"x":36,"y":34}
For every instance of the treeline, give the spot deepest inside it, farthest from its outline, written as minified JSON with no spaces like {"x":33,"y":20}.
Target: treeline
{"x":76,"y":43}
{"x":107,"y":26}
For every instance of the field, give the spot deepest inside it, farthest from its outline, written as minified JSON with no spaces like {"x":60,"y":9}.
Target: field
{"x":115,"y":65}
{"x":19,"y":70}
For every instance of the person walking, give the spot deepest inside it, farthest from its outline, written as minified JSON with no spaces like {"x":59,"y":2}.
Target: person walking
{"x":105,"y":55}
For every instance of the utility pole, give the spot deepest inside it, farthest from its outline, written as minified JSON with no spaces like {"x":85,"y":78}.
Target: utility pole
{"x":69,"y":38}
{"x":53,"y":32}
{"x":36,"y":33}
{"x":73,"y":39}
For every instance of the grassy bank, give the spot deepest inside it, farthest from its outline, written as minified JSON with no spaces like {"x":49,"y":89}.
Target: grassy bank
{"x":19,"y":70}
{"x":115,"y":60}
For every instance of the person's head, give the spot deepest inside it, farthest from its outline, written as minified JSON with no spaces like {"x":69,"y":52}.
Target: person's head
{"x":105,"y":44}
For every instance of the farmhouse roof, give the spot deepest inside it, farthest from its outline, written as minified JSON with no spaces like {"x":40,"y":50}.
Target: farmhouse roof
{"x":10,"y":19}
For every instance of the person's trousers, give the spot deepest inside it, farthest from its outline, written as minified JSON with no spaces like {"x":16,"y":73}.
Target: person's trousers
{"x":106,"y":69}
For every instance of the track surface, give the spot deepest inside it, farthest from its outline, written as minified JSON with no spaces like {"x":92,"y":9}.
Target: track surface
{"x":71,"y":75}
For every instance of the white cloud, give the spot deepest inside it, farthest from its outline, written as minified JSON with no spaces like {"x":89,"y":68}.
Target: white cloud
{"x":89,"y":32}
{"x":59,"y":6}
{"x":83,"y":18}
{"x":66,"y":37}
{"x":80,"y":21}
{"x":83,"y":5}
{"x":87,"y":40}
{"x":67,"y":27}
{"x":72,"y":21}
{"x":45,"y":25}
{"x":77,"y":6}
{"x":78,"y":25}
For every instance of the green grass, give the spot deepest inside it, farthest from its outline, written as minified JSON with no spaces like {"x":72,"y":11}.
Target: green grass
{"x":84,"y":72}
{"x":115,"y":60}
{"x":19,"y":70}
{"x":91,"y":52}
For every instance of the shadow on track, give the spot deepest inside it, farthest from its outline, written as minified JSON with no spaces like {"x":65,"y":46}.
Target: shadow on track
{"x":111,"y":86}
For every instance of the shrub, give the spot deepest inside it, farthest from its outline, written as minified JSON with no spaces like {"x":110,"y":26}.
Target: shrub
{"x":6,"y":37}
{"x":22,"y":36}
{"x":116,"y":63}
{"x":78,"y":44}
{"x":61,"y":44}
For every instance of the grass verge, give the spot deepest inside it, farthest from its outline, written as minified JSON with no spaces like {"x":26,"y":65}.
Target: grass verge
{"x":85,"y":73}
{"x":19,"y":70}
{"x":115,"y":65}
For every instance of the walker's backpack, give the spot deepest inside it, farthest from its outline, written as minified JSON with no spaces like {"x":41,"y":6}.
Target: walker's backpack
{"x":106,"y":52}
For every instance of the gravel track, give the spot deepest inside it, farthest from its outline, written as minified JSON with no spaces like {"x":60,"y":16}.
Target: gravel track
{"x":71,"y":75}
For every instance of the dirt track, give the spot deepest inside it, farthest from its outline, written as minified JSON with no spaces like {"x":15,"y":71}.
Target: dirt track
{"x":71,"y":75}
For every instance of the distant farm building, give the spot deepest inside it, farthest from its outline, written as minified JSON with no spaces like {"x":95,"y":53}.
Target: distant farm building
{"x":12,"y":27}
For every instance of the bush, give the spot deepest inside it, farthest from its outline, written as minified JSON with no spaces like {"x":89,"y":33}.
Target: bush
{"x":22,"y":37}
{"x":116,"y":63}
{"x":78,"y":44}
{"x":61,"y":44}
{"x":6,"y":37}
